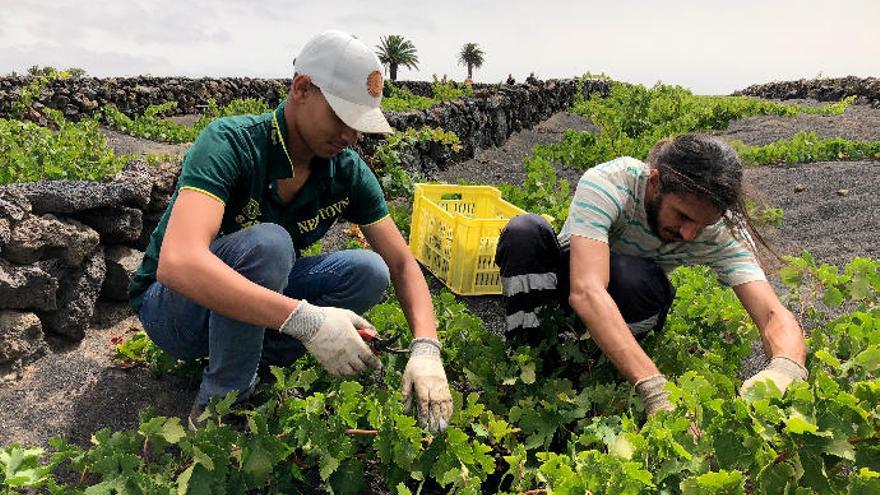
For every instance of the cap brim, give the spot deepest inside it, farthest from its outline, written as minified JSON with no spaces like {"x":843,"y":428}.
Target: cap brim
{"x":359,"y":117}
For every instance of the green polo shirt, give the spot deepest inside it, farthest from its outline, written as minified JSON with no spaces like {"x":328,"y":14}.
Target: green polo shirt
{"x":237,"y":161}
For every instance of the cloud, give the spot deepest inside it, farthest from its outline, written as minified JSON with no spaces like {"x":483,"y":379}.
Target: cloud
{"x":386,"y":23}
{"x":711,"y":48}
{"x":96,"y":63}
{"x":162,"y":22}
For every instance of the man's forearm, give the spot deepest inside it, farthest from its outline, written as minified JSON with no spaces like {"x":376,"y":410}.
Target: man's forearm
{"x":780,"y":332}
{"x":415,"y":300}
{"x":783,"y":337}
{"x":208,"y":281}
{"x":607,"y":328}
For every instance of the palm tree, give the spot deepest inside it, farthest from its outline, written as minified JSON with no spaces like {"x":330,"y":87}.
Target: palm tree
{"x":395,"y":50}
{"x":471,"y":55}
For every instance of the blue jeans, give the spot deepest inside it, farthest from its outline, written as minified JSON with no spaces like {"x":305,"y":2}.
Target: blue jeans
{"x":264,"y":254}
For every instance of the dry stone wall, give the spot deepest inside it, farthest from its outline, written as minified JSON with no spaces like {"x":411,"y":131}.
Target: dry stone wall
{"x":69,"y":243}
{"x":64,"y":244}
{"x":484,"y":120}
{"x":866,"y":90}
{"x":133,"y":95}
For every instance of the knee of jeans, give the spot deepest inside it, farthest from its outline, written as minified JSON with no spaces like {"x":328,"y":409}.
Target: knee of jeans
{"x":372,"y":276}
{"x":268,"y":256}
{"x":373,"y":270}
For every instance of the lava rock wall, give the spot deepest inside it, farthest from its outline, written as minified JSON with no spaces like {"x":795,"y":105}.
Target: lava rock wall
{"x":484,"y":120}
{"x":133,"y":95}
{"x":866,"y":90}
{"x":63,"y":239}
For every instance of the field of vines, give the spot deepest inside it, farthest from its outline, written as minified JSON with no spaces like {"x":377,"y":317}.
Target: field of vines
{"x":552,"y":418}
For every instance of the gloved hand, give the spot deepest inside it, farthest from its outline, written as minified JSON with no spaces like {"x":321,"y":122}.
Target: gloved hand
{"x":780,"y":370}
{"x":653,"y":396}
{"x":330,"y":334}
{"x":424,"y":374}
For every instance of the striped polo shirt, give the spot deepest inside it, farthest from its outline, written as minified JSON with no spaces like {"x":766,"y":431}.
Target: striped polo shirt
{"x":608,"y":206}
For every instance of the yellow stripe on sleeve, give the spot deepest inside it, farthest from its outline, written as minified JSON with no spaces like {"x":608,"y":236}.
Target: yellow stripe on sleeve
{"x":374,"y":223}
{"x":207,"y":193}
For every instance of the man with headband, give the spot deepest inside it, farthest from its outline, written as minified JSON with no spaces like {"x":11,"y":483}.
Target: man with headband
{"x":630,"y":223}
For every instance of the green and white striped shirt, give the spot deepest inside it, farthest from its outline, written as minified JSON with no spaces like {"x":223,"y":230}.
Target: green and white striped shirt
{"x":608,"y":206}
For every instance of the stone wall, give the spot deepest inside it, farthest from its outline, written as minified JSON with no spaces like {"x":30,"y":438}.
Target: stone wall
{"x":64,"y":244}
{"x":426,"y":88}
{"x":484,"y":120}
{"x":866,"y":90}
{"x":132,"y":95}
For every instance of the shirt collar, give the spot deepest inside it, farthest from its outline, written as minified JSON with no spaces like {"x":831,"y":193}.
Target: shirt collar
{"x":280,"y":167}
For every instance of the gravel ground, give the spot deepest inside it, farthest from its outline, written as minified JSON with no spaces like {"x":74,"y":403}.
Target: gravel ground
{"x":78,"y":389}
{"x":858,"y":122}
{"x":836,"y":217}
{"x":505,"y":162}
{"x":123,"y":144}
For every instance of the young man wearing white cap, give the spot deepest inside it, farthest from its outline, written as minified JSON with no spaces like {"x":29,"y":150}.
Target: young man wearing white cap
{"x":223,"y":276}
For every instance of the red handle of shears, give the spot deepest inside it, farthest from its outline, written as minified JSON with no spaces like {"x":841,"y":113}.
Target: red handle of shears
{"x":369,"y":335}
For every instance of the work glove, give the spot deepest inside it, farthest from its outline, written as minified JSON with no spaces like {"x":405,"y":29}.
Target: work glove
{"x":653,"y":396}
{"x":780,"y":370}
{"x":424,"y":374}
{"x":330,"y":334}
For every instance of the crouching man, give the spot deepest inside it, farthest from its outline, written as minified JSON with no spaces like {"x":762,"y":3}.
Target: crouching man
{"x":223,"y":276}
{"x":631,"y":223}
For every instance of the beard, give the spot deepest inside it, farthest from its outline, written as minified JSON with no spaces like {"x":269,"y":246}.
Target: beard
{"x":652,"y":210}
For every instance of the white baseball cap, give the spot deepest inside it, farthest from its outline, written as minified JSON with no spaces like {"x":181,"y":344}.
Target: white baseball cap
{"x":350,"y":77}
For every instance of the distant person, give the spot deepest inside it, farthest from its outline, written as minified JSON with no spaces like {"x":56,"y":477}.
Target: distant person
{"x":224,"y":276}
{"x":510,"y":80}
{"x":532,"y":79}
{"x":629,"y":225}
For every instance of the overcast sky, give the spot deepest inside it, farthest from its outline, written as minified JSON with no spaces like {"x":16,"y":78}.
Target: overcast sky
{"x":712,"y":47}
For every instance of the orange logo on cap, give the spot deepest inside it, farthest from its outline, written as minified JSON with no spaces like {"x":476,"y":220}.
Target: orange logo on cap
{"x":374,"y":84}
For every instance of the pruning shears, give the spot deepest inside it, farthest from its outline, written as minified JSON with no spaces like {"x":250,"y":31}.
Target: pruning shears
{"x":378,"y":344}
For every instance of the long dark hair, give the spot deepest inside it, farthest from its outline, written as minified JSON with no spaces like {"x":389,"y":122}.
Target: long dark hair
{"x":709,"y":168}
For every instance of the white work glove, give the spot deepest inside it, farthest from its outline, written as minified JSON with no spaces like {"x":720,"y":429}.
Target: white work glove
{"x":424,"y":374}
{"x":780,"y":370}
{"x":653,"y":396}
{"x":330,"y":334}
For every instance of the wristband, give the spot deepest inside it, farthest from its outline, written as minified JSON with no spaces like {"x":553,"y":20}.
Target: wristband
{"x":425,"y":346}
{"x":303,"y":322}
{"x":788,"y":367}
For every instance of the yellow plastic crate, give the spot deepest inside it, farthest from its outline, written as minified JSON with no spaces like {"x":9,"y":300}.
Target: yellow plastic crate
{"x":455,"y":231}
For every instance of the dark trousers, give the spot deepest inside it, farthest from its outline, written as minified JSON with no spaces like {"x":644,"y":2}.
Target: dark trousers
{"x":535,"y":274}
